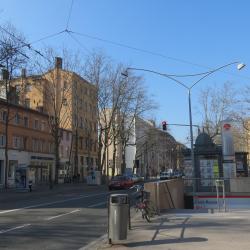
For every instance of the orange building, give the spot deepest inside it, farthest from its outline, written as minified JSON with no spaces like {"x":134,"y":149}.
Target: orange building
{"x":30,"y":146}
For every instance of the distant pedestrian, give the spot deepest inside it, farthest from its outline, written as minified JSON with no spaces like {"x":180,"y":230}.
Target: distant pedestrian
{"x":30,"y":186}
{"x":78,"y":177}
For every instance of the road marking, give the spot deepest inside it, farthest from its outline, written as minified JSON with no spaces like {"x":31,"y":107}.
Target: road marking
{"x":60,"y":215}
{"x":14,"y":228}
{"x":51,"y":203}
{"x":97,"y":204}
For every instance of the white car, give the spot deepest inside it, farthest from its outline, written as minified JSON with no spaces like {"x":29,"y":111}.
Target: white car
{"x":165,"y":176}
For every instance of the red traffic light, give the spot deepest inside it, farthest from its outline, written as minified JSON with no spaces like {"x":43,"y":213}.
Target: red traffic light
{"x":164,"y":125}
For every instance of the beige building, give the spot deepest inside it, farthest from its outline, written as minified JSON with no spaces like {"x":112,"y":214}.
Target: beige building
{"x":156,"y":150}
{"x":149,"y":150}
{"x":71,"y":102}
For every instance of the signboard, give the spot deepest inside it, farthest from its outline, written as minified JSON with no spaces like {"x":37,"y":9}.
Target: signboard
{"x":209,"y":169}
{"x":231,"y":202}
{"x":229,"y":166}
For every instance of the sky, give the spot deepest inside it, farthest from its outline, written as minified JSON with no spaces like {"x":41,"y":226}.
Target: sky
{"x":185,"y":37}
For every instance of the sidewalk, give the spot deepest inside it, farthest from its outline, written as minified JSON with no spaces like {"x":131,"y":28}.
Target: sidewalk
{"x":186,"y":230}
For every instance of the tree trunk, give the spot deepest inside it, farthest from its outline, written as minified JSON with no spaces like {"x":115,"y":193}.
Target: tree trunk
{"x":114,"y":158}
{"x":100,"y":146}
{"x":6,"y":147}
{"x":57,"y":157}
{"x":123,"y":166}
{"x":76,"y":154}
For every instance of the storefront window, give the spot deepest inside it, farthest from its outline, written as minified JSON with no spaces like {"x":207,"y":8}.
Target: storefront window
{"x":12,"y":167}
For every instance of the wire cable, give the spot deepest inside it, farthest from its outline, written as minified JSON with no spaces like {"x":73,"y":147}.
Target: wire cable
{"x":138,"y":49}
{"x":47,"y":37}
{"x":157,"y":54}
{"x":70,"y":11}
{"x":78,"y":42}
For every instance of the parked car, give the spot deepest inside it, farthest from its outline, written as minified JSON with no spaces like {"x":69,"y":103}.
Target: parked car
{"x":165,"y":175}
{"x":178,"y":174}
{"x":120,"y":182}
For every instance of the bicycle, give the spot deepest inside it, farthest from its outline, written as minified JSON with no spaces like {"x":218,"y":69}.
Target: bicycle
{"x":145,"y":206}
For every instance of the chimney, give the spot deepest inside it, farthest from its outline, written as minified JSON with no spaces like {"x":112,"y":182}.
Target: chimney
{"x":23,"y":73}
{"x":5,"y":74}
{"x":58,"y":62}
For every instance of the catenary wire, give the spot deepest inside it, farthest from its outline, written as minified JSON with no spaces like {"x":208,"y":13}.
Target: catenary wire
{"x":156,"y":54}
{"x":77,"y":41}
{"x":70,"y":11}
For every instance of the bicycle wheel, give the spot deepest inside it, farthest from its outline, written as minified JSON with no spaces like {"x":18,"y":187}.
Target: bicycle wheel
{"x":145,"y":215}
{"x":152,"y":210}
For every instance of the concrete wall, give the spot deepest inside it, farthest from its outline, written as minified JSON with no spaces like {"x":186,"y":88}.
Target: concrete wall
{"x":240,"y":185}
{"x":166,"y":194}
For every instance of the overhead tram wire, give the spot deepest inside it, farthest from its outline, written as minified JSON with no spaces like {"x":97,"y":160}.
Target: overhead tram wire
{"x":154,"y":54}
{"x":78,"y":42}
{"x":25,"y":44}
{"x":48,"y":36}
{"x":70,"y":11}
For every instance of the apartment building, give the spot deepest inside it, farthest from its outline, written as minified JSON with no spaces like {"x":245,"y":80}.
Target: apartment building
{"x":71,"y":101}
{"x":30,"y":146}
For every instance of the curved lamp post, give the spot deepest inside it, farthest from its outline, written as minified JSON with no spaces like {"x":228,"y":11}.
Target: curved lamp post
{"x":202,"y":76}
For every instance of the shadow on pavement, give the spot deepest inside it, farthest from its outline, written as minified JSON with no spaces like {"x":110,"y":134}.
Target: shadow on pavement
{"x":165,"y":241}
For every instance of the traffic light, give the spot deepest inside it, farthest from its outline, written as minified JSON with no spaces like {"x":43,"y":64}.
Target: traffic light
{"x":164,"y":125}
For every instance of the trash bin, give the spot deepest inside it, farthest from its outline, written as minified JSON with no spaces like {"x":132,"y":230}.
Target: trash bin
{"x":118,"y":217}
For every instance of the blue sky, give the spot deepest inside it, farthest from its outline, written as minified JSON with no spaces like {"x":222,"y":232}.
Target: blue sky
{"x":206,"y":33}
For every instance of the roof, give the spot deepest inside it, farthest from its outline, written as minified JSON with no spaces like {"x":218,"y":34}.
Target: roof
{"x":203,"y":139}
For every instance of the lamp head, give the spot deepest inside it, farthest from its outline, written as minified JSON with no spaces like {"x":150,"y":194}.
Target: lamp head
{"x":240,"y":66}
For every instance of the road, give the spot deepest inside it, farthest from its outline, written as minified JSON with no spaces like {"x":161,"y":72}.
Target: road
{"x":67,"y":218}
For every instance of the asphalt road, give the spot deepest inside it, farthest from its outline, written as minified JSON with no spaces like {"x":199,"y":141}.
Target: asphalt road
{"x":65,"y":218}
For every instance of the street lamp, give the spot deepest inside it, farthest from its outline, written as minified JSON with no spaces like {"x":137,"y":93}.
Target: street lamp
{"x":202,"y":76}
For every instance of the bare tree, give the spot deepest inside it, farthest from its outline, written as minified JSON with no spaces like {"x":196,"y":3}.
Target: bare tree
{"x":216,"y":104}
{"x":12,"y":58}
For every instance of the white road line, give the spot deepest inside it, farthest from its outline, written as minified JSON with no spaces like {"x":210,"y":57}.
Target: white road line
{"x":60,"y":215}
{"x":97,"y":204}
{"x":51,"y":203}
{"x":14,"y":228}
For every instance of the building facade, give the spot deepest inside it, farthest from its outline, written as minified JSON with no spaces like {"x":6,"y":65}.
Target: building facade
{"x":71,"y":104}
{"x":30,"y":146}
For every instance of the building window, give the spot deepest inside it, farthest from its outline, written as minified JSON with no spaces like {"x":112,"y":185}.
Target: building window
{"x":25,"y":143}
{"x":4,"y":115}
{"x":27,"y":103}
{"x":35,"y":146}
{"x":17,"y":142}
{"x":43,"y":125}
{"x":27,"y":87}
{"x":17,"y":118}
{"x":26,"y":122}
{"x":2,"y":140}
{"x":36,"y":124}
{"x":12,"y":167}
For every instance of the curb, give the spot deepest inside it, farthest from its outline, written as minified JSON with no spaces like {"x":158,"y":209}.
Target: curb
{"x":100,"y":242}
{"x":95,"y":245}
